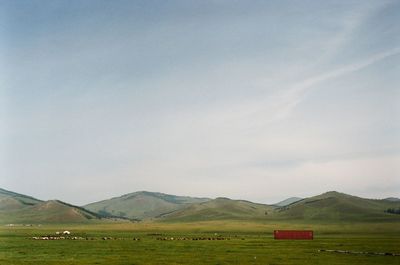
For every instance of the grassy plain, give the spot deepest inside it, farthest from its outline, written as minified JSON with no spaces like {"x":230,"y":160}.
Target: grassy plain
{"x":249,"y":243}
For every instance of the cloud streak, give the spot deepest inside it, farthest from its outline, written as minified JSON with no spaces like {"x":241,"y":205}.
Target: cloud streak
{"x":294,"y":95}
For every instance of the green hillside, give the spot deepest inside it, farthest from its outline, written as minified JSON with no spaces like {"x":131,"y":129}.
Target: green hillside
{"x":220,"y":209}
{"x":142,"y":205}
{"x":47,"y":212}
{"x":11,"y":201}
{"x":335,"y":206}
{"x":328,"y":207}
{"x":21,"y":209}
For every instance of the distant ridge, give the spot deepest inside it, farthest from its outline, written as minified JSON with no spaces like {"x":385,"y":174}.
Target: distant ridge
{"x":392,"y":199}
{"x":142,"y":205}
{"x":56,"y":211}
{"x":19,"y":208}
{"x":220,"y":209}
{"x":288,"y":201}
{"x":11,"y":200}
{"x":4,"y":192}
{"x":336,"y":206}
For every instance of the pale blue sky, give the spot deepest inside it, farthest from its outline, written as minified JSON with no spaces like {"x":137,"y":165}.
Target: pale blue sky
{"x":256,"y":100}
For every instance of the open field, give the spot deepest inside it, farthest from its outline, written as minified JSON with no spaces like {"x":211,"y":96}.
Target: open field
{"x":240,"y":243}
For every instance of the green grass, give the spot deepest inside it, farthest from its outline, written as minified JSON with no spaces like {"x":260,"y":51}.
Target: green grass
{"x":250,"y":243}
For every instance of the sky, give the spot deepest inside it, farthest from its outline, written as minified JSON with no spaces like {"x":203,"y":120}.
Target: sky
{"x":255,"y":100}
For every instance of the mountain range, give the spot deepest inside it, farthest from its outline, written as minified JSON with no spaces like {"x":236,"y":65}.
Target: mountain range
{"x":143,"y":205}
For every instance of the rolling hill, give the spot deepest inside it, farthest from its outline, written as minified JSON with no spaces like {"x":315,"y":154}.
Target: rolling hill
{"x":220,"y":209}
{"x":327,"y":207}
{"x":12,"y":201}
{"x":335,"y":206}
{"x":142,"y":205}
{"x":288,"y":201}
{"x":22,"y":209}
{"x":392,"y":199}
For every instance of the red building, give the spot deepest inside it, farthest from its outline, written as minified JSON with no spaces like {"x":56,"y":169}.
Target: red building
{"x":294,"y":234}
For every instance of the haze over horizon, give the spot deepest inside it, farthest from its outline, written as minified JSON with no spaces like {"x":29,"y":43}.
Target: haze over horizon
{"x":260,"y":100}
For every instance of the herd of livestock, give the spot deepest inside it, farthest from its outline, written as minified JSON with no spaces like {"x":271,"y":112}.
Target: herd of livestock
{"x":66,"y":235}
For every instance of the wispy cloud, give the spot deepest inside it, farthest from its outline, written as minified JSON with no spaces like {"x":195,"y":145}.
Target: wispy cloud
{"x":278,"y":105}
{"x":348,"y":28}
{"x":295,"y":94}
